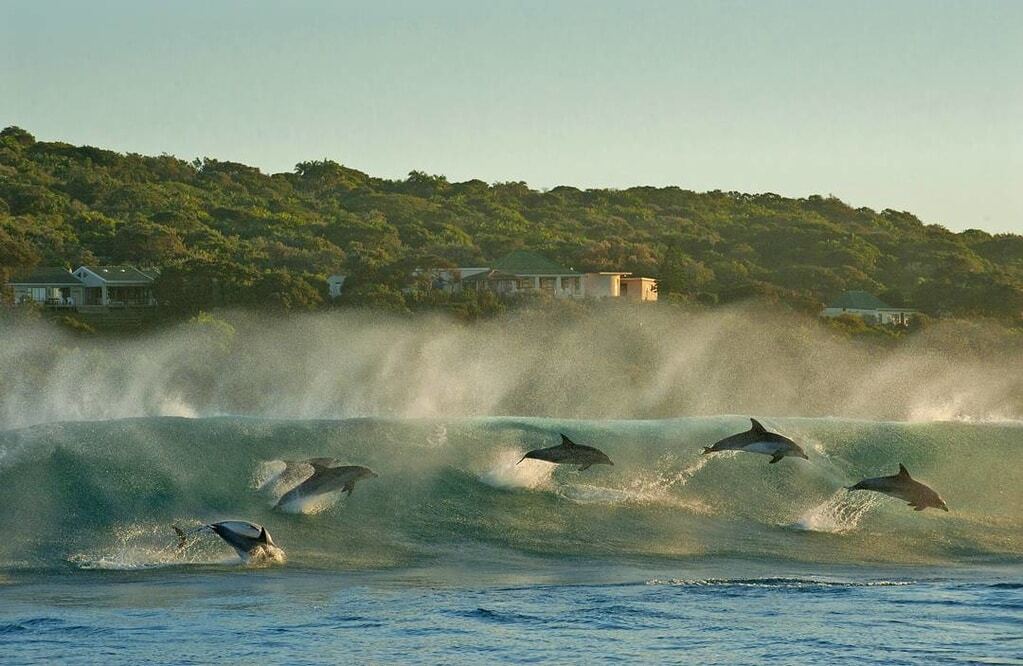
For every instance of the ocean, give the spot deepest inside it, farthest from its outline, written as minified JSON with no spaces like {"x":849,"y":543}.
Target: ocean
{"x":456,"y":554}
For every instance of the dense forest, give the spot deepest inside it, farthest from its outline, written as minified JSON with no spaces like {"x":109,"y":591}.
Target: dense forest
{"x":223,"y":234}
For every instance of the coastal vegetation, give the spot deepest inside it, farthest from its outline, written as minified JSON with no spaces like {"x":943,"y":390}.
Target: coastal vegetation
{"x":223,"y":234}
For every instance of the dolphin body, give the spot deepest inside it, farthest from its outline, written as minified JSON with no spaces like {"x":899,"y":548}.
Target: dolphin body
{"x":251,"y":541}
{"x":758,"y":440}
{"x":327,"y":480}
{"x":570,"y":453}
{"x":297,"y":471}
{"x":904,"y":487}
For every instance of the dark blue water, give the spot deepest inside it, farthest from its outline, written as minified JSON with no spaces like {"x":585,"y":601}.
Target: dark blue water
{"x":315,"y":617}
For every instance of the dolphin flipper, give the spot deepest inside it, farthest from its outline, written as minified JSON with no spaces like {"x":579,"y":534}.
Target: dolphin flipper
{"x":776,"y":458}
{"x":585,"y":467}
{"x":350,"y":486}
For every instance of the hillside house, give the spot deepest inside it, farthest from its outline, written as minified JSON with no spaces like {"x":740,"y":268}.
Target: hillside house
{"x":522,"y":272}
{"x":871,"y":308}
{"x":88,"y":288}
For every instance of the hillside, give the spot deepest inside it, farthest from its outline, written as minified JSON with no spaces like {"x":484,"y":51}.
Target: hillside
{"x":224,"y":234}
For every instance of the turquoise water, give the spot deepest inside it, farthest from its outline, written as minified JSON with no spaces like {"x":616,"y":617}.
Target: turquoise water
{"x":455,"y":554}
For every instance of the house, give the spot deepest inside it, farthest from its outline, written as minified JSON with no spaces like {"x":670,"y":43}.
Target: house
{"x":523,"y":272}
{"x":606,"y":284}
{"x":89,"y":288}
{"x":334,"y":285}
{"x":53,"y":287}
{"x":871,"y":308}
{"x":638,"y":288}
{"x":617,"y":284}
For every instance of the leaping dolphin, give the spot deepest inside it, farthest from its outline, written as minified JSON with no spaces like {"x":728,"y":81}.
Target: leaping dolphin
{"x":294,"y":473}
{"x":251,"y":541}
{"x":904,"y":487}
{"x":759,"y":440}
{"x":327,"y":479}
{"x":570,"y":453}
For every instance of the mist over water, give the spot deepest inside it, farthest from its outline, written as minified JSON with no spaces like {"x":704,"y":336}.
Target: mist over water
{"x":615,"y":362}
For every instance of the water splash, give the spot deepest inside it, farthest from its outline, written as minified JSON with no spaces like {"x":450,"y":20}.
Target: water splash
{"x":839,"y":514}
{"x":141,"y":546}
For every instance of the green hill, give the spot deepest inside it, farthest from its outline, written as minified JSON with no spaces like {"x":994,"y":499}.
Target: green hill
{"x":224,"y":233}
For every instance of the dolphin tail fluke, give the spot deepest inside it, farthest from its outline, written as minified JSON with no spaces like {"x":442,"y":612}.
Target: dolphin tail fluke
{"x":181,"y":536}
{"x":708,"y":449}
{"x":523,"y":458}
{"x":348,"y":488}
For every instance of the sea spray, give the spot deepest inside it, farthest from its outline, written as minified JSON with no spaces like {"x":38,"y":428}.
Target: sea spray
{"x":840,"y":513}
{"x":510,"y":472}
{"x":603,"y":362}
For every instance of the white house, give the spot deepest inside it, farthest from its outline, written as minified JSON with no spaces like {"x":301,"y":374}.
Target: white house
{"x":86,"y":288}
{"x":116,"y":286}
{"x":334,"y":284}
{"x":606,"y":284}
{"x":871,"y":308}
{"x":52,"y":287}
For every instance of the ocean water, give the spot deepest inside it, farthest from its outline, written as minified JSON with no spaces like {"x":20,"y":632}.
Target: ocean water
{"x":456,"y":554}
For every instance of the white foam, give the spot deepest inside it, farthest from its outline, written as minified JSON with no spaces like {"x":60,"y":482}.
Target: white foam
{"x":840,"y":513}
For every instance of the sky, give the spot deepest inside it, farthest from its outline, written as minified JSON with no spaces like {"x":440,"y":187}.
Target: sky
{"x":912,"y":105}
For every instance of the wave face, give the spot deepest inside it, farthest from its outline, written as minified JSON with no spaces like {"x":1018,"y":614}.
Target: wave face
{"x":104,"y":493}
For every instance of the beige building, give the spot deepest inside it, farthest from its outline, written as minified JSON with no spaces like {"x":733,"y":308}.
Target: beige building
{"x":527,"y":272}
{"x":638,"y":288}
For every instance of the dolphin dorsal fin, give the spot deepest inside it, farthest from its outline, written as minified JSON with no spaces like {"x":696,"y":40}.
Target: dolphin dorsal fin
{"x":757,"y":428}
{"x":263,"y":536}
{"x":565,"y":441}
{"x":903,"y":471}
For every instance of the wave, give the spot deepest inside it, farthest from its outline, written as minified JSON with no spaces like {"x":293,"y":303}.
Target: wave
{"x":103,"y":494}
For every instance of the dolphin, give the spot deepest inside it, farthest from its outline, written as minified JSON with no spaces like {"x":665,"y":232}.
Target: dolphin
{"x":904,"y":487}
{"x":570,"y":453}
{"x":294,"y":473}
{"x":758,"y":440}
{"x":327,"y":480}
{"x":252,"y":542}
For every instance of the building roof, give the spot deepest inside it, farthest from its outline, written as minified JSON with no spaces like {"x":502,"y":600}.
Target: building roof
{"x":859,"y":300}
{"x":522,"y":262}
{"x":120,"y":274}
{"x":490,"y":275}
{"x":47,"y":275}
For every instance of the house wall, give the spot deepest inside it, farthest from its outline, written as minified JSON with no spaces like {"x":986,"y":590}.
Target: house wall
{"x":598,"y":285}
{"x":69,"y":295}
{"x":639,"y":289}
{"x":896,"y":317}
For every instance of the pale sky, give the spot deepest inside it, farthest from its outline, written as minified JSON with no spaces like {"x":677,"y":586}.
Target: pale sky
{"x":909,"y":105}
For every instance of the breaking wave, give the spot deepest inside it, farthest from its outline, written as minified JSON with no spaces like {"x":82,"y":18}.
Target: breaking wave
{"x":103,"y":494}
